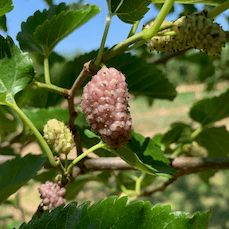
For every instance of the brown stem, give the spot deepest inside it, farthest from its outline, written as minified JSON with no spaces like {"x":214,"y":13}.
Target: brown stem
{"x":184,"y":165}
{"x":106,"y":163}
{"x":189,"y":165}
{"x":39,"y":212}
{"x":161,"y":188}
{"x":88,"y":70}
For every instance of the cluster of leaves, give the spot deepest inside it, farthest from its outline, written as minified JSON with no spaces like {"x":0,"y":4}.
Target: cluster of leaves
{"x":19,"y":72}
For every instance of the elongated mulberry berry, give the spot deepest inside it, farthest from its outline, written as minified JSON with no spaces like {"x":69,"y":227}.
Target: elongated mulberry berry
{"x":58,"y":136}
{"x":193,"y":31}
{"x":166,"y":43}
{"x":52,"y":195}
{"x":105,"y":104}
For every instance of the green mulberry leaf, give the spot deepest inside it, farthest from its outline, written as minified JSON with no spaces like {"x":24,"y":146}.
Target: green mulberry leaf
{"x":130,"y":10}
{"x":5,"y":6}
{"x":17,"y":172}
{"x":44,"y":115}
{"x":143,"y":78}
{"x":179,"y":132}
{"x":112,"y":213}
{"x":215,"y":140}
{"x":210,"y":110}
{"x":142,"y":153}
{"x":16,"y":70}
{"x":42,"y":31}
{"x":3,"y":23}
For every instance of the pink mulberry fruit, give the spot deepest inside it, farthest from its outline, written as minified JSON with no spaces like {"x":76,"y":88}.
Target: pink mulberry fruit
{"x":52,"y":195}
{"x":105,"y":104}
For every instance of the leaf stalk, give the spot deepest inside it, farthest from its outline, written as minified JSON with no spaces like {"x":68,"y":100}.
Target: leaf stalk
{"x":81,"y":156}
{"x":39,"y":137}
{"x":149,"y":33}
{"x":50,"y":87}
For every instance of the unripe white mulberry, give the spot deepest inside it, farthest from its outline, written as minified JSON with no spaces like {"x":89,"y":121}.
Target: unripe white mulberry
{"x":105,"y":104}
{"x":52,"y":195}
{"x":58,"y":136}
{"x":166,"y":43}
{"x":193,"y":31}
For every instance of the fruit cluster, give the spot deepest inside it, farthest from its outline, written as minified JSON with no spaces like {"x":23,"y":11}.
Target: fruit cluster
{"x":52,"y":195}
{"x":105,"y":104}
{"x":192,"y":31}
{"x":58,"y":136}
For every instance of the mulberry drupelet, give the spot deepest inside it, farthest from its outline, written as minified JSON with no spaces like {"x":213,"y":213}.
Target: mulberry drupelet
{"x":105,"y":104}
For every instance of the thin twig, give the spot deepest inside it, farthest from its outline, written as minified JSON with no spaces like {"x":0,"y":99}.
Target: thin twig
{"x":88,"y":70}
{"x":190,"y":165}
{"x":161,"y":188}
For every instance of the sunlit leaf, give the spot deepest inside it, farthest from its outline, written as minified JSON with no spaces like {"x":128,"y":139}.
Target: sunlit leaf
{"x":42,"y":31}
{"x":116,"y":213}
{"x":16,"y":69}
{"x":5,"y":6}
{"x":143,"y":154}
{"x":130,"y":10}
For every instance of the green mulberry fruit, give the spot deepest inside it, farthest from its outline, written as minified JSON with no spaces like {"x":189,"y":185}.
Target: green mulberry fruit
{"x":193,"y":31}
{"x":59,"y":136}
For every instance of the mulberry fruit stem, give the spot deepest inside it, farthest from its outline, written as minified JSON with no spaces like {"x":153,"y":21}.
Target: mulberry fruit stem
{"x":138,"y":184}
{"x":66,"y":161}
{"x":137,"y":45}
{"x":46,"y":70}
{"x":100,"y":53}
{"x":81,"y":156}
{"x":194,"y":134}
{"x":177,"y":151}
{"x":143,"y":35}
{"x":218,"y":10}
{"x":39,"y":137}
{"x":199,"y":130}
{"x":133,"y":28}
{"x":158,"y":21}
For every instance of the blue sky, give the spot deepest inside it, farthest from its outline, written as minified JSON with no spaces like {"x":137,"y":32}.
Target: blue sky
{"x":87,"y":37}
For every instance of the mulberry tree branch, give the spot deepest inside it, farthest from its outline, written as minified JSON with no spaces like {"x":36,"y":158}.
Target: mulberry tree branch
{"x":183,"y":165}
{"x":88,"y":70}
